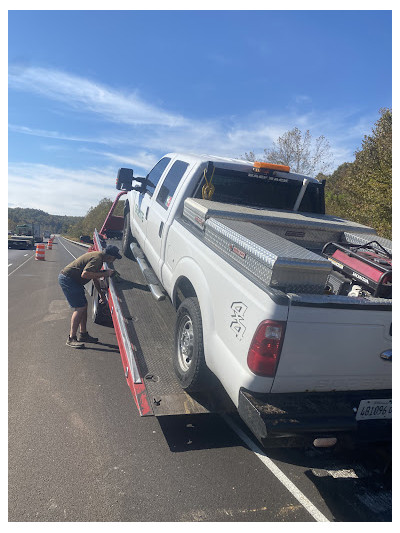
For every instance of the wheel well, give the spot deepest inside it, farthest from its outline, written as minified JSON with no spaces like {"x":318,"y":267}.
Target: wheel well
{"x":183,"y":289}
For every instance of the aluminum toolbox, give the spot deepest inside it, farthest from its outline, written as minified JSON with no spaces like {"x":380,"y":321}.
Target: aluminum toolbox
{"x":271,"y":260}
{"x":308,"y":230}
{"x":364,"y":238}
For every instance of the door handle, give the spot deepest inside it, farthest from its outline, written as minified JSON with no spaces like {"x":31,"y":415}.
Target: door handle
{"x":147,"y":212}
{"x":161,"y":228}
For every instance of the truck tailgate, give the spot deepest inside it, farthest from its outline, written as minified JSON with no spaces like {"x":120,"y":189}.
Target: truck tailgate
{"x":335,"y":347}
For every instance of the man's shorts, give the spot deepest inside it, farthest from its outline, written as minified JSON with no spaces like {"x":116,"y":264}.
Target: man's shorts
{"x":74,"y":292}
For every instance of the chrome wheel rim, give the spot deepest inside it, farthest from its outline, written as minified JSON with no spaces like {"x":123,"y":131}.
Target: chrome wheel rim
{"x":185,"y":344}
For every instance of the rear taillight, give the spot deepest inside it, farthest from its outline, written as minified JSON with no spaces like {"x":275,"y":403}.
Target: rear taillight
{"x":265,"y":348}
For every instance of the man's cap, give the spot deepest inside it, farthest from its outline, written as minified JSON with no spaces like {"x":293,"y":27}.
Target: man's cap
{"x":113,"y":250}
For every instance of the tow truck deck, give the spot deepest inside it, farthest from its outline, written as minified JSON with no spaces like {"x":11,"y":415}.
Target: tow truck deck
{"x":145,"y":333}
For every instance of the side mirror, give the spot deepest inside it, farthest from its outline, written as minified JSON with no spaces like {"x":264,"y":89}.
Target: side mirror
{"x":124,"y":179}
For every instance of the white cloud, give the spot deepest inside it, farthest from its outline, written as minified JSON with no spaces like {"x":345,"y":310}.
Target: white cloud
{"x":142,"y":160}
{"x":302,"y":99}
{"x":58,"y":191}
{"x":85,"y":95}
{"x":52,"y":134}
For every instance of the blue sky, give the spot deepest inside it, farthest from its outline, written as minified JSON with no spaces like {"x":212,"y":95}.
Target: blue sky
{"x":92,"y":91}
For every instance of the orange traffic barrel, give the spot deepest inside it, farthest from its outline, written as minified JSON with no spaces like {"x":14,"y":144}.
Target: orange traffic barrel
{"x":50,"y":245}
{"x":40,"y":251}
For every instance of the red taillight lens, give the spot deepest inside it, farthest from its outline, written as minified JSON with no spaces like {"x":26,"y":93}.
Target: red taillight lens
{"x":265,"y":348}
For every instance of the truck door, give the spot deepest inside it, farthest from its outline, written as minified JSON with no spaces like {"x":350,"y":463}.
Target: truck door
{"x":142,"y":202}
{"x":159,"y":214}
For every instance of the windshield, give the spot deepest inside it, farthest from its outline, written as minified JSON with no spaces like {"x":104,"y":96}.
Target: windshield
{"x":241,"y":188}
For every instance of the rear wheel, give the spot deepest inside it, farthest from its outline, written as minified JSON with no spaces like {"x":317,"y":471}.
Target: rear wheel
{"x":189,"y":362}
{"x":127,"y":238}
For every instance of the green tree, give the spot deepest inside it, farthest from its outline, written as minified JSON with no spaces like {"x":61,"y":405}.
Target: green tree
{"x":53,"y":223}
{"x":94,"y":218}
{"x":336,"y":198}
{"x":11,"y":225}
{"x":362,"y":190}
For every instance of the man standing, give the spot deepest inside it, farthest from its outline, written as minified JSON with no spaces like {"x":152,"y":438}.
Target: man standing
{"x":72,"y":280}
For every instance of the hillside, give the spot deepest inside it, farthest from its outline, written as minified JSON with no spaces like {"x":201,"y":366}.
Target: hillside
{"x":52,"y":223}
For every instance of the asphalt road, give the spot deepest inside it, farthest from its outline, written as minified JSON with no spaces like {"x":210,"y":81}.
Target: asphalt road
{"x":80,"y":452}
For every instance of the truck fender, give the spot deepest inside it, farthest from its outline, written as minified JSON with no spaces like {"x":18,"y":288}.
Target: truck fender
{"x":189,"y":280}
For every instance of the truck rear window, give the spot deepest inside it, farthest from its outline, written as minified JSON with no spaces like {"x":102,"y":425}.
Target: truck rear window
{"x":240,"y":188}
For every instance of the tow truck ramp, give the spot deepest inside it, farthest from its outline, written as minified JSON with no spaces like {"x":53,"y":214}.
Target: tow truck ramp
{"x":145,"y":332}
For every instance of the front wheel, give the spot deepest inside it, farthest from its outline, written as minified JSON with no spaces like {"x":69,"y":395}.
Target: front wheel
{"x":127,"y":238}
{"x":188,"y":360}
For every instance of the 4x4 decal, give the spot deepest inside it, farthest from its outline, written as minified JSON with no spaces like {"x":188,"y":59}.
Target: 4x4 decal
{"x":237,"y":324}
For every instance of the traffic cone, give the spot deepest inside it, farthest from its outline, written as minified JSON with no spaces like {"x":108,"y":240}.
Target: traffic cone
{"x":40,"y":251}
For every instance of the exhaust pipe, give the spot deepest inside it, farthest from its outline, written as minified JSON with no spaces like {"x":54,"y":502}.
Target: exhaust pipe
{"x":325,"y":442}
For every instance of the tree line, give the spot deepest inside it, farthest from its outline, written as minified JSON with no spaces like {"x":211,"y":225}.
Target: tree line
{"x":362,"y":190}
{"x":53,"y":223}
{"x":94,"y":218}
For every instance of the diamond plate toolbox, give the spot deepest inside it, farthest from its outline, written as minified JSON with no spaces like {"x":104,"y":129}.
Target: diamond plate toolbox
{"x":361,"y":238}
{"x":274,"y":261}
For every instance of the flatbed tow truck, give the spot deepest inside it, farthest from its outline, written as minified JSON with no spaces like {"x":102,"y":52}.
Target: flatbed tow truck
{"x":145,"y":333}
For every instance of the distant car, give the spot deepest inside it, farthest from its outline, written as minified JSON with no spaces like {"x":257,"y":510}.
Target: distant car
{"x":86,"y":239}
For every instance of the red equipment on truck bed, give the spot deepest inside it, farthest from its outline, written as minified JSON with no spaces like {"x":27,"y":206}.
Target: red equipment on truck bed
{"x":368,"y":265}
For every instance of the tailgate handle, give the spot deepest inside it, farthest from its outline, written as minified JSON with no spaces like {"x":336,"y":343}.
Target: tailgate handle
{"x":387,"y":355}
{"x":161,"y":228}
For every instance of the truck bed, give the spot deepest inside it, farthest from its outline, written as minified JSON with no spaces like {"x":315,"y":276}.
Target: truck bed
{"x":150,"y":326}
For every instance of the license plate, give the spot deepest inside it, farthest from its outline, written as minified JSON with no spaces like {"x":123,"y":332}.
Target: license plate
{"x":374,"y":409}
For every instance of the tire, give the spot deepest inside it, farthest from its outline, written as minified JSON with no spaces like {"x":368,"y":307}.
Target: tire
{"x":100,"y":312}
{"x":188,"y":359}
{"x":127,"y":238}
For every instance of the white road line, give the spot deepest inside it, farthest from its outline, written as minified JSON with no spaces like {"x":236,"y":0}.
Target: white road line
{"x":10,"y":264}
{"x":25,"y":255}
{"x":59,"y":240}
{"x":21,"y":265}
{"x":291,"y":487}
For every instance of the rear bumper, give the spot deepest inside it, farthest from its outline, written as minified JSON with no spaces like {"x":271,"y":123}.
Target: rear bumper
{"x":298,"y":418}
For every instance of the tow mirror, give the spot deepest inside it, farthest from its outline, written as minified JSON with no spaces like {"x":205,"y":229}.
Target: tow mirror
{"x":124,"y":179}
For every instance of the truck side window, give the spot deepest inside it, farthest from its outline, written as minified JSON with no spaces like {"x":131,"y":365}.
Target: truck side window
{"x":171,"y":182}
{"x":155,"y":174}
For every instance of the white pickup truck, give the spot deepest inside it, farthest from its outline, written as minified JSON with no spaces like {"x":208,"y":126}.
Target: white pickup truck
{"x":288,"y":307}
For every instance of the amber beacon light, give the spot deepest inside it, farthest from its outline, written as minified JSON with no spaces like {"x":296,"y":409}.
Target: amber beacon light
{"x":261,"y":167}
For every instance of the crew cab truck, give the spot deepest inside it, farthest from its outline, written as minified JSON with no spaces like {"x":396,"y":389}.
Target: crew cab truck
{"x":289,"y":308}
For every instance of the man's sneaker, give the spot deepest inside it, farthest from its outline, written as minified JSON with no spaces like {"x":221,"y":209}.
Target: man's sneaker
{"x":85,"y":337}
{"x":72,"y":341}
